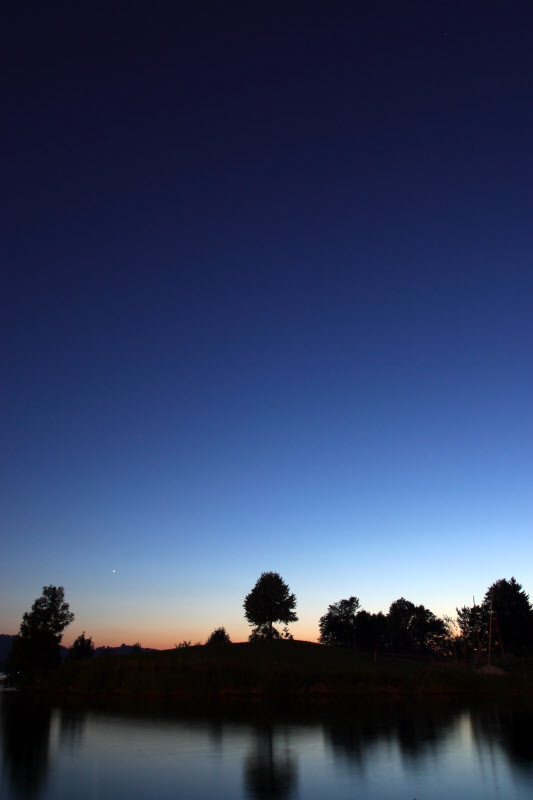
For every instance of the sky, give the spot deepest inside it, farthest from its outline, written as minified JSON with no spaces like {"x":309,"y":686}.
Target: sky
{"x":266,"y":305}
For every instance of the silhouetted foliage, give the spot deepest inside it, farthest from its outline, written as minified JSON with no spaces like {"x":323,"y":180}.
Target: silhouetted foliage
{"x":269,"y":601}
{"x":136,"y":648}
{"x":371,"y":630}
{"x":218,"y":636}
{"x":415,"y":628}
{"x":512,"y":621}
{"x":338,"y":625}
{"x":37,"y":647}
{"x":265,"y":632}
{"x":81,"y":648}
{"x":49,"y":614}
{"x":31,"y":657}
{"x":345,"y":626}
{"x":473,"y":623}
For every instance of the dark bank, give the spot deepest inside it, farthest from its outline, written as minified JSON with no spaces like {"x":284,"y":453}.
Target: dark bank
{"x":280,"y":668}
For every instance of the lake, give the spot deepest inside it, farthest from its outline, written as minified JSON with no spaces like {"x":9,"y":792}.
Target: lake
{"x":387,"y":751}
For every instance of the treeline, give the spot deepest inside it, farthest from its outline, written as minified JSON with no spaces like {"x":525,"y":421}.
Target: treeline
{"x":406,"y":629}
{"x":502,"y":623}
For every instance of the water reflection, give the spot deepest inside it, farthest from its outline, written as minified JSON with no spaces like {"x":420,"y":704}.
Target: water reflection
{"x":511,"y":732}
{"x":25,"y":743}
{"x":71,"y":726}
{"x":269,"y":768}
{"x":262,"y":753}
{"x":413,"y":731}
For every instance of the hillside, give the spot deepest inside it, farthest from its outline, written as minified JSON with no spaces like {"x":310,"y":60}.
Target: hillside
{"x":271,"y":668}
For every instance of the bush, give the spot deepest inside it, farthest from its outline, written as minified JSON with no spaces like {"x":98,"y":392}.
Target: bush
{"x":219,"y":636}
{"x":81,"y":648}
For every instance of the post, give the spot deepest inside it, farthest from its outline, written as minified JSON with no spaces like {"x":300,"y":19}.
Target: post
{"x":490,"y":628}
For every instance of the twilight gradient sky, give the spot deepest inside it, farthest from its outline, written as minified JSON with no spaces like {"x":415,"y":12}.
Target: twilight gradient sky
{"x":266,"y":305}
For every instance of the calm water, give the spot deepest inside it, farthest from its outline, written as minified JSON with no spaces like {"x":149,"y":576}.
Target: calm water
{"x":388,"y":752}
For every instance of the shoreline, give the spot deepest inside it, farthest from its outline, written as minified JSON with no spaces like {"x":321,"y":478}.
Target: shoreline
{"x":296,"y":671}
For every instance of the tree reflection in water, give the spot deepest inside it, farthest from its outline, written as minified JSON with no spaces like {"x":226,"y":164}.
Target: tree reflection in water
{"x":25,"y":736}
{"x":269,"y":769}
{"x":412,"y":730}
{"x":510,"y":730}
{"x":71,"y":725}
{"x":261,"y":743}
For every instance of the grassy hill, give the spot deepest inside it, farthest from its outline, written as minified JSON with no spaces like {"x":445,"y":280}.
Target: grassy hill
{"x":300,"y":669}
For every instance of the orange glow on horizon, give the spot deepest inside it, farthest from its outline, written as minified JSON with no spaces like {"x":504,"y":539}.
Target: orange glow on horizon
{"x":114,"y":636}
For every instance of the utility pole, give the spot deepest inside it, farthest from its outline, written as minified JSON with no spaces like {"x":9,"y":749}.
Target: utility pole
{"x":490,"y":627}
{"x":476,"y":626}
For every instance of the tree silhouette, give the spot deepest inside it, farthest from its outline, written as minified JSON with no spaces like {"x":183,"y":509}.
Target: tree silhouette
{"x":371,"y":630}
{"x":269,"y":601}
{"x":81,"y":648}
{"x":338,"y":625}
{"x":512,"y":620}
{"x":512,"y":615}
{"x":49,"y":614}
{"x":473,"y":622}
{"x":415,"y":628}
{"x":219,"y":636}
{"x":36,"y":648}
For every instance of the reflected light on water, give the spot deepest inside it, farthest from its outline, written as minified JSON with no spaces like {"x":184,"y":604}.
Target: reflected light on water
{"x":381,"y":751}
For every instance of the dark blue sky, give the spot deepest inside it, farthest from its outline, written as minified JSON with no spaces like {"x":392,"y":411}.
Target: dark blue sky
{"x":266,"y":305}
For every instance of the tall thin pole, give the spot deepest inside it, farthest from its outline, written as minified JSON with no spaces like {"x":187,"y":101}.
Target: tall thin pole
{"x":490,"y":627}
{"x":476,"y":624}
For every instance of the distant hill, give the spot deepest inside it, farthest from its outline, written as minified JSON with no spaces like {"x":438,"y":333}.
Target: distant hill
{"x":122,"y":650}
{"x":6,"y":641}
